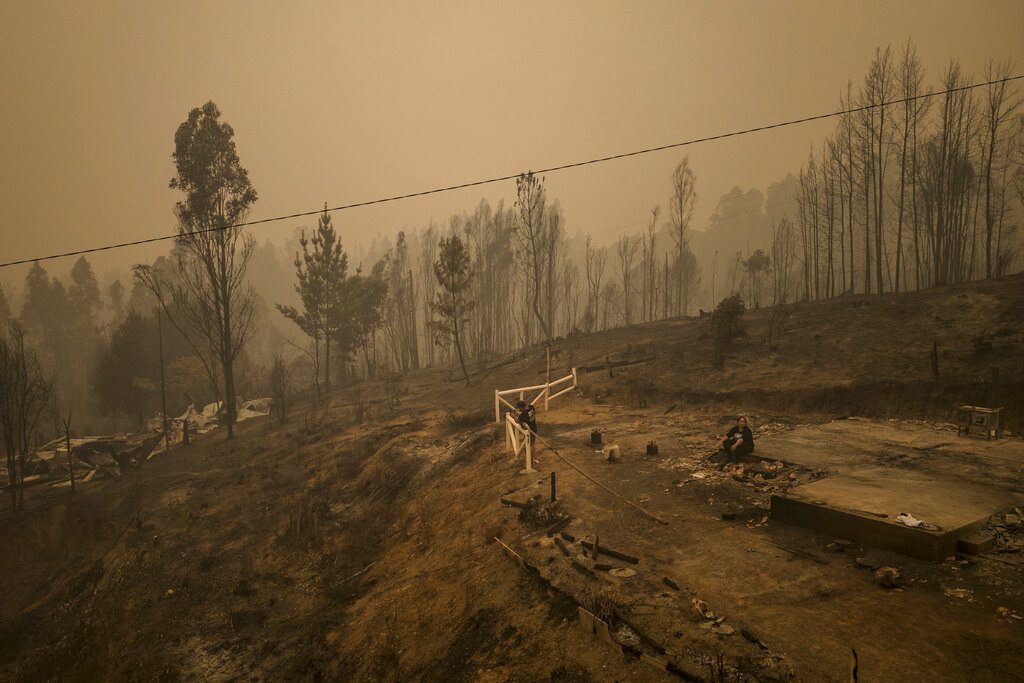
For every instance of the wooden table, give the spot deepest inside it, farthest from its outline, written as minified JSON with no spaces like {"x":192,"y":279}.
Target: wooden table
{"x":978,"y":416}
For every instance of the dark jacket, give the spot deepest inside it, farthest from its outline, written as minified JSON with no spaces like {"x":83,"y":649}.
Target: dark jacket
{"x":736,"y":433}
{"x":528,"y":418}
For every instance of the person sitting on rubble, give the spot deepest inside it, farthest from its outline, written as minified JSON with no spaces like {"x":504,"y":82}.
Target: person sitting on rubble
{"x":527,"y":417}
{"x":738,"y":441}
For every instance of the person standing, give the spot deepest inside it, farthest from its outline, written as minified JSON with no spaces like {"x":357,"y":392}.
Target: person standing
{"x":527,"y":417}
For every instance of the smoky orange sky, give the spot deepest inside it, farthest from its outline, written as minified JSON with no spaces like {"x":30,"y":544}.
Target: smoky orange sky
{"x":339,"y":102}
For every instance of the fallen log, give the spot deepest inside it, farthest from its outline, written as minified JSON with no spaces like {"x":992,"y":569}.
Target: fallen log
{"x":582,"y":568}
{"x":605,"y":550}
{"x":613,"y":364}
{"x":558,"y":526}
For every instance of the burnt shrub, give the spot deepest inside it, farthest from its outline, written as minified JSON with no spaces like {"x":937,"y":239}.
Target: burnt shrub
{"x":726,"y":326}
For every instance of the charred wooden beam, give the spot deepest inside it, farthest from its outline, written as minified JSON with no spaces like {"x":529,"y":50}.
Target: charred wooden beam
{"x":605,"y":550}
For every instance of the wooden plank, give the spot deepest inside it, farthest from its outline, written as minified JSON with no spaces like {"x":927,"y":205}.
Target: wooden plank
{"x":543,"y":392}
{"x":582,"y":568}
{"x":605,"y":550}
{"x":558,"y":527}
{"x":506,"y":392}
{"x":563,"y":391}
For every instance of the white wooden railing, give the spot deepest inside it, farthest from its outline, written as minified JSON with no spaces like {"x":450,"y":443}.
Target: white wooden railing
{"x":517,"y":437}
{"x":545,"y":394}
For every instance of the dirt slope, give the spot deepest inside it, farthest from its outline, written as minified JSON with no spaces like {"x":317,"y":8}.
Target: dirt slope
{"x":328,"y":550}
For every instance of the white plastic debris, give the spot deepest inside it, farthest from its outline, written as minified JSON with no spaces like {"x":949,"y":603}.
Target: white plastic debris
{"x":909,"y":520}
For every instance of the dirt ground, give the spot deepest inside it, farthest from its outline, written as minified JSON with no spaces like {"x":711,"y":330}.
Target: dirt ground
{"x":810,"y":605}
{"x":329,"y":549}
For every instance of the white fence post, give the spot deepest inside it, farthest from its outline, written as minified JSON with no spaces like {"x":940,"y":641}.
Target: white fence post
{"x":529,"y":456}
{"x":497,"y":408}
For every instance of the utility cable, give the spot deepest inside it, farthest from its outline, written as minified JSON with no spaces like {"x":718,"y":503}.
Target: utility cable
{"x":499,"y":179}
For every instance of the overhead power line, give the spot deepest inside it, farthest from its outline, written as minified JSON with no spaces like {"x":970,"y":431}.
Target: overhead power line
{"x":500,"y":179}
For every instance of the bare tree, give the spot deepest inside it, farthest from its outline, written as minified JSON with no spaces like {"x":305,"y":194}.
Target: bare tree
{"x":906,"y":125}
{"x":24,"y":396}
{"x":876,"y":130}
{"x":649,"y":284}
{"x":626,"y":250}
{"x":428,"y":287}
{"x":571,"y":278}
{"x":783,"y":255}
{"x":611,"y":297}
{"x":553,"y":257}
{"x":680,"y":212}
{"x":1005,"y":249}
{"x":594,"y":262}
{"x":849,"y":163}
{"x":61,"y":415}
{"x":947,"y":177}
{"x":400,"y":307}
{"x":533,"y":249}
{"x":756,"y":266}
{"x":162,"y":285}
{"x":1000,"y":104}
{"x":280,"y":387}
{"x":808,"y":219}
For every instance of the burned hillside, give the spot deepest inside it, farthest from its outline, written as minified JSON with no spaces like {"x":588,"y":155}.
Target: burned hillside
{"x":328,"y":547}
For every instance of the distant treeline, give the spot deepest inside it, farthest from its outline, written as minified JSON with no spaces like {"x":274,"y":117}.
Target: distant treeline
{"x":907,"y":192}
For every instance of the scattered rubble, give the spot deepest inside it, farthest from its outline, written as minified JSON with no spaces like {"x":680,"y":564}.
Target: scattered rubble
{"x":962,"y":593}
{"x":887,"y":577}
{"x":96,"y":458}
{"x":1008,"y":613}
{"x":1007,"y":531}
{"x":765,"y":477}
{"x":771,"y":428}
{"x":700,"y":608}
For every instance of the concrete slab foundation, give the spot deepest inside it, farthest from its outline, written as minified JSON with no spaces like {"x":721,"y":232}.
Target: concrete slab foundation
{"x":863,"y":504}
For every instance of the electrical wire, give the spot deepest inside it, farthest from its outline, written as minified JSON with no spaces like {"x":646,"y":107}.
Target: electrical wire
{"x":499,"y":179}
